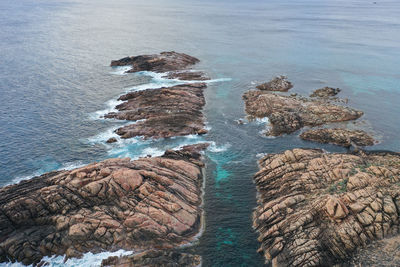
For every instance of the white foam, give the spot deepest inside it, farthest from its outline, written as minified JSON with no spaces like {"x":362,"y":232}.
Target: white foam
{"x":192,"y":136}
{"x":216,"y":80}
{"x":216,"y":149}
{"x":110,"y":107}
{"x":264,"y":120}
{"x":89,"y":260}
{"x":104,"y":136}
{"x":152,"y":151}
{"x":261,"y":155}
{"x":159,"y":81}
{"x":64,"y":166}
{"x":121,"y":70}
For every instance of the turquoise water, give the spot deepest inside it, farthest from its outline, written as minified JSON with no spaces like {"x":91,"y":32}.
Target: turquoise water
{"x":55,"y":82}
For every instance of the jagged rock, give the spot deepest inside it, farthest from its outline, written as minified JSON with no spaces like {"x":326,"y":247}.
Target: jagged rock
{"x":340,"y":137}
{"x":155,"y":258}
{"x":163,"y":62}
{"x":112,"y":140}
{"x":163,"y":112}
{"x":187,"y":75}
{"x":287,"y":114}
{"x":114,"y":204}
{"x":325,"y":92}
{"x":279,"y":83}
{"x":316,"y":208}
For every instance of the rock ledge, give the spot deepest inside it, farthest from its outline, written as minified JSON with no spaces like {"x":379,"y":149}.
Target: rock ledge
{"x":317,"y":209}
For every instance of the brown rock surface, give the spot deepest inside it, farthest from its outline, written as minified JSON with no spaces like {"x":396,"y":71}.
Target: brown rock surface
{"x":112,"y":140}
{"x":155,"y":258}
{"x":166,"y":112}
{"x":340,"y":137}
{"x":325,"y":92}
{"x":163,"y":112}
{"x":287,"y":114}
{"x":187,"y":75}
{"x":118,"y":203}
{"x":279,"y":83}
{"x":163,"y":62}
{"x":381,"y":253}
{"x":316,"y":208}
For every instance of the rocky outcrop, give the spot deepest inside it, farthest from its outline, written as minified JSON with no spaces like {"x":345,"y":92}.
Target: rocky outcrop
{"x":287,"y":114}
{"x":316,"y":208}
{"x":114,"y":204}
{"x":279,"y":83}
{"x":338,"y":136}
{"x":111,"y":140}
{"x":155,"y":258}
{"x":382,"y":253}
{"x":163,"y":62}
{"x":167,"y":111}
{"x":325,"y":92}
{"x":187,"y":75}
{"x":163,"y":112}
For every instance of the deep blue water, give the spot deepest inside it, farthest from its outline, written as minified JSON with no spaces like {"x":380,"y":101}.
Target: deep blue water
{"x":55,"y":80}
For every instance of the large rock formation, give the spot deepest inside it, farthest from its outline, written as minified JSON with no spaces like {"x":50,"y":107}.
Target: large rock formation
{"x":338,"y":136}
{"x":316,"y":208}
{"x":155,"y":258}
{"x":279,"y":83}
{"x":163,"y":112}
{"x":287,"y":114}
{"x":163,"y":62}
{"x":114,"y":204}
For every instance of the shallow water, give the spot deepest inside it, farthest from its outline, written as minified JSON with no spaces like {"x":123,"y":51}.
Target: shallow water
{"x":55,"y":82}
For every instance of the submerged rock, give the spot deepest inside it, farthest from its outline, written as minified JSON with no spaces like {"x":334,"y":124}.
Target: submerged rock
{"x":163,"y":112}
{"x":163,"y":62}
{"x":325,"y":92}
{"x":112,"y":140}
{"x":316,"y":208}
{"x":340,"y":137}
{"x":279,"y":83}
{"x":287,"y":114}
{"x":155,"y":258}
{"x":114,"y":204}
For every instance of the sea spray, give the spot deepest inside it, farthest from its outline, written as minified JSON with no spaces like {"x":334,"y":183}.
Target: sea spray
{"x":88,"y":259}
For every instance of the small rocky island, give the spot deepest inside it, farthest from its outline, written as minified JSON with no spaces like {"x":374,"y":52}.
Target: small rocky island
{"x":279,"y":83}
{"x":168,"y":111}
{"x":325,"y":92}
{"x":288,"y":114}
{"x":317,"y":208}
{"x":145,"y":204}
{"x":339,"y":136}
{"x":163,"y":62}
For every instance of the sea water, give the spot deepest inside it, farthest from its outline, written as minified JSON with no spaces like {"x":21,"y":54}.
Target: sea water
{"x":56,"y":84}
